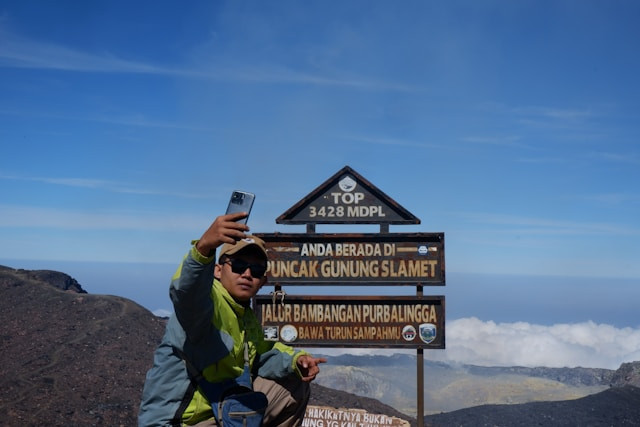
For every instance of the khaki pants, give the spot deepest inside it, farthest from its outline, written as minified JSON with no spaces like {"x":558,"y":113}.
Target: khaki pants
{"x":288,"y":398}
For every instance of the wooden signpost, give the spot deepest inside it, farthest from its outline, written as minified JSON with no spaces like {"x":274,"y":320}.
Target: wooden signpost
{"x":359,"y":260}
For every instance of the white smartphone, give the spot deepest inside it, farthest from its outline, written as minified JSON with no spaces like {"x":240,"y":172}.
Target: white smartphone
{"x":241,"y":201}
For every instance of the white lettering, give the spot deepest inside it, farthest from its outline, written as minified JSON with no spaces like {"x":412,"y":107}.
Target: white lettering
{"x":347,"y":198}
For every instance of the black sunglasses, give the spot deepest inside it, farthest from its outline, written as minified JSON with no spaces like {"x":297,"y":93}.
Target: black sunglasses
{"x":239,"y":266}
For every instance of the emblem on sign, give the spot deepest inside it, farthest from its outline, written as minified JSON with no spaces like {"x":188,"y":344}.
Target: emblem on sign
{"x":347,"y":184}
{"x":408,"y":333}
{"x":270,"y":333}
{"x":289,"y":333}
{"x":428,"y":332}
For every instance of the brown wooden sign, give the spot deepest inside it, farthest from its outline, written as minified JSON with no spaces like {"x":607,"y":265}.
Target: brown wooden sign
{"x":355,"y":259}
{"x":347,"y":198}
{"x":353,"y":321}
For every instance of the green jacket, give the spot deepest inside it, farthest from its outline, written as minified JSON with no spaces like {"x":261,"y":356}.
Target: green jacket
{"x":209,"y":329}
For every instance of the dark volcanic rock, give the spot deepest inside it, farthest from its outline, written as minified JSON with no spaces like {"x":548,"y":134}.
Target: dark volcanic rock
{"x":70,"y":358}
{"x":52,"y":278}
{"x":78,"y":359}
{"x":628,"y":373}
{"x":613,"y":407}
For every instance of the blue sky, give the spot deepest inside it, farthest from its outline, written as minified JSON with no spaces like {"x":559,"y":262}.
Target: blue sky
{"x":512,"y":127}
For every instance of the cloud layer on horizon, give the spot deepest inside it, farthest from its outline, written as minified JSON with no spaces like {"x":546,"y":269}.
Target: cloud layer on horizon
{"x":486,"y":343}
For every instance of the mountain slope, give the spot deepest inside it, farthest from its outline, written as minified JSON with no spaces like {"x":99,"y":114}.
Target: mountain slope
{"x":71,"y":358}
{"x":392,"y":380}
{"x":618,"y":406}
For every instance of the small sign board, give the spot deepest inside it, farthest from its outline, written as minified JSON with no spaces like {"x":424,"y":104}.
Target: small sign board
{"x":347,"y":198}
{"x":355,"y":259}
{"x":353,"y":321}
{"x":324,"y":416}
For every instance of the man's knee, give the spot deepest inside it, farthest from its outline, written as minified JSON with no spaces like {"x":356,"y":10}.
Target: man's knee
{"x":288,"y":399}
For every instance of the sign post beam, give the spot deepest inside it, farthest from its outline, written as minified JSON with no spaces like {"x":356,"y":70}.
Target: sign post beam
{"x":420,"y":359}
{"x":420,"y":373}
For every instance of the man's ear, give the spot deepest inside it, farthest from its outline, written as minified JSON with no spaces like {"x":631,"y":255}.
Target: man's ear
{"x":217,"y":271}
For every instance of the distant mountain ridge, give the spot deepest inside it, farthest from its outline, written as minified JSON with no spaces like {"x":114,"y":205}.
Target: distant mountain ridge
{"x":574,"y":376}
{"x":72,"y":358}
{"x":392,"y":380}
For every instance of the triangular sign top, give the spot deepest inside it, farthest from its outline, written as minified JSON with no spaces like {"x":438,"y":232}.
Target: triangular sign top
{"x":347,"y":198}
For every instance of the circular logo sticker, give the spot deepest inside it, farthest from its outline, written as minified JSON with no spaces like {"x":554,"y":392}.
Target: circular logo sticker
{"x":288,"y":333}
{"x":408,"y":333}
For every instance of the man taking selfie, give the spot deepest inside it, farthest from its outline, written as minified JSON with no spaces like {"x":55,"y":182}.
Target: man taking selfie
{"x":214,"y":341}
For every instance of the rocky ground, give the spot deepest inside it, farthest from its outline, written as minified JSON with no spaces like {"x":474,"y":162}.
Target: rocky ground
{"x":619,"y":406}
{"x":72,"y":358}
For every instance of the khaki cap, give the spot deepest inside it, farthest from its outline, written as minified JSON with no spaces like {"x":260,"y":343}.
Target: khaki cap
{"x":230,"y":249}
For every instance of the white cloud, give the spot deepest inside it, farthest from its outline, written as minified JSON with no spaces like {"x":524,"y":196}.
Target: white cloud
{"x":546,"y":112}
{"x":389,"y":141}
{"x":628,"y":158}
{"x":17,"y":52}
{"x":38,"y":217}
{"x":537,"y":226}
{"x":586,"y":344}
{"x":613,"y":198}
{"x":105,"y":185}
{"x":485,"y":343}
{"x":22,"y":53}
{"x":502,"y":141}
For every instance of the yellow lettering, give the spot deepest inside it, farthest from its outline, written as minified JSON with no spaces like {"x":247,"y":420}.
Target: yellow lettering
{"x":266,"y":314}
